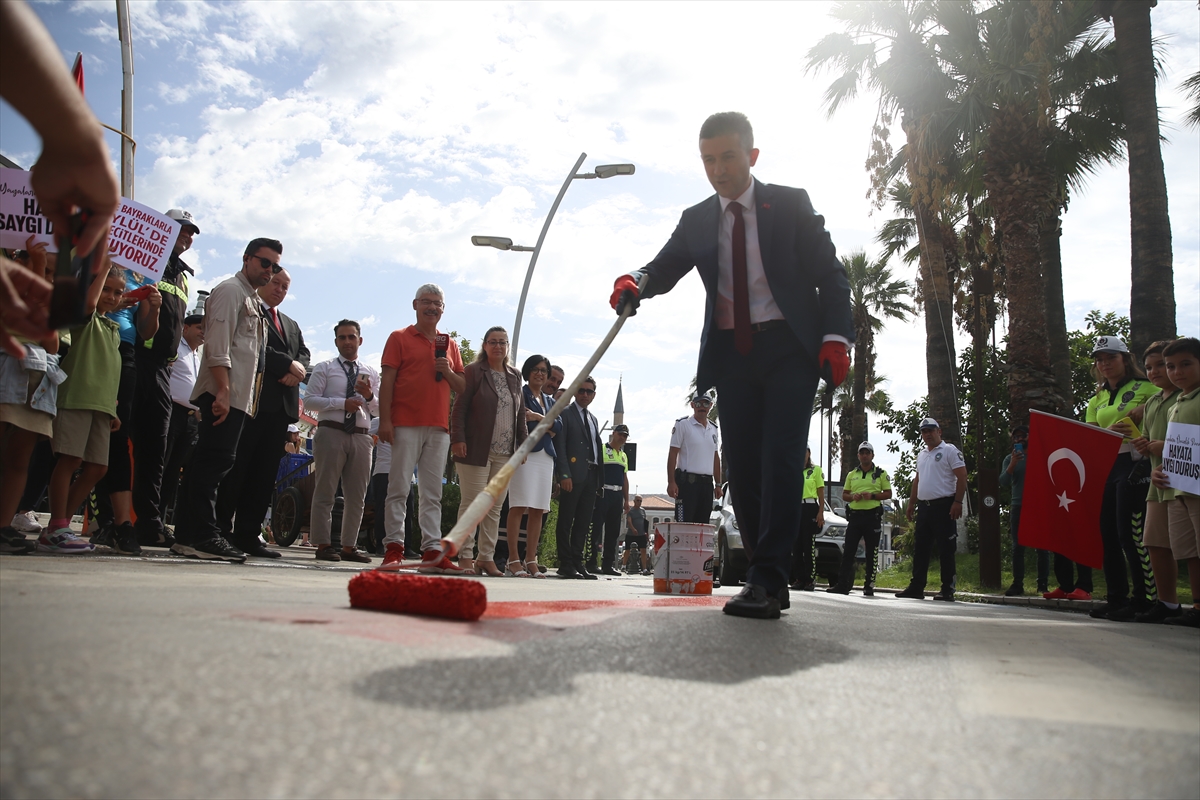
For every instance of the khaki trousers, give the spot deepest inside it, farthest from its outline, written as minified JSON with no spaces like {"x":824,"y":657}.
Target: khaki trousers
{"x":345,"y":457}
{"x":472,"y":481}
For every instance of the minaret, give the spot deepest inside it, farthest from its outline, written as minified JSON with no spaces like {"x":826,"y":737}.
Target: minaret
{"x":619,"y":406}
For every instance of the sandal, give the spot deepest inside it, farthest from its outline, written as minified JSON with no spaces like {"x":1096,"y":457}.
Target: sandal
{"x":534,"y":570}
{"x":487,"y":568}
{"x":519,"y":572}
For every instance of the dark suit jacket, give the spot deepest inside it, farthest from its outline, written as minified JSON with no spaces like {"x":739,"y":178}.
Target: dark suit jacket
{"x":547,"y":442}
{"x":806,"y":278}
{"x":574,"y":452}
{"x":281,"y":352}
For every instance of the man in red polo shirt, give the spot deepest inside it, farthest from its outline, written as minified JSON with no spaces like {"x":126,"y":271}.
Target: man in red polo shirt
{"x":414,"y":417}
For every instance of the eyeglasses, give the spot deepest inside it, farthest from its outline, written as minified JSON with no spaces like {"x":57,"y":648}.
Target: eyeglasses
{"x":702,"y":402}
{"x":538,"y":371}
{"x":496,"y":343}
{"x":267,"y":263}
{"x":432,"y":303}
{"x":581,"y":390}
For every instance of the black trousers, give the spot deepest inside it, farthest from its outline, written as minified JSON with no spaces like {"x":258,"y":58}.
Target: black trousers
{"x":1122,"y":518}
{"x":213,"y":458}
{"x":765,"y":440}
{"x":612,"y":506}
{"x":934,"y":527}
{"x":804,"y":560}
{"x":575,"y":520}
{"x":246,"y":491}
{"x":41,"y":464}
{"x":148,"y":429}
{"x":1065,"y":572}
{"x":181,"y":441}
{"x":865,"y":526}
{"x":696,"y":496}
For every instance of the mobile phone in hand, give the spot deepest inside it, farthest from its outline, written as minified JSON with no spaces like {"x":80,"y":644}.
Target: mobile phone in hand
{"x":72,"y":278}
{"x":141,"y":293}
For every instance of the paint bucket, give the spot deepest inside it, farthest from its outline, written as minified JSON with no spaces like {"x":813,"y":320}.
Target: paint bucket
{"x":684,"y":563}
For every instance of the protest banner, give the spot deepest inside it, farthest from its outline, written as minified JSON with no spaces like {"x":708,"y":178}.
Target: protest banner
{"x":1181,"y":457}
{"x":21,"y":213}
{"x":141,"y":239}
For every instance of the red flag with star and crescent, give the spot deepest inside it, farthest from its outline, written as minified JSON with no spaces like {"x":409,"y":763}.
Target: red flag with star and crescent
{"x":1066,"y":466}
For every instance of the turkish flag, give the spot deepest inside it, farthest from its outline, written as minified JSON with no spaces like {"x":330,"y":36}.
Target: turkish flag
{"x":77,"y":71}
{"x":1066,"y":466}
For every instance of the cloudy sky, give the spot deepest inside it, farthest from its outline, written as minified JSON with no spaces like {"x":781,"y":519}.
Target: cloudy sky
{"x":374,"y":139}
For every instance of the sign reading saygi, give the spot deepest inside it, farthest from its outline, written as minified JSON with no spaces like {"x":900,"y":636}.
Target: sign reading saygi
{"x":1181,"y":457}
{"x":141,"y":239}
{"x":21,"y":213}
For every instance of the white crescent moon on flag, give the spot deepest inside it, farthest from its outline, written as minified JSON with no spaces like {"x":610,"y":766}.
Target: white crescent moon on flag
{"x":1070,"y":455}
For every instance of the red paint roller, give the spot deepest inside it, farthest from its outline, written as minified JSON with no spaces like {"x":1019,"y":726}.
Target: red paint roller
{"x":456,"y":598}
{"x":452,"y":598}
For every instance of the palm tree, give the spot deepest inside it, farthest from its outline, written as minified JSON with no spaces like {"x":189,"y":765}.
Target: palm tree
{"x":1152,"y":286}
{"x":887,"y":46}
{"x":874,"y":296}
{"x":1192,"y":87}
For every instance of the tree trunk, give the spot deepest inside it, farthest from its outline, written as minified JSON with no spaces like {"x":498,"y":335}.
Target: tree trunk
{"x":1050,"y":243}
{"x":862,"y":369}
{"x":1152,"y":287}
{"x":939,"y":324}
{"x":846,"y":451}
{"x":1019,"y":185}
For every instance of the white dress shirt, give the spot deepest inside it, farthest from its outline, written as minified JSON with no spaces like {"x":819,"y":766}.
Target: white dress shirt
{"x":326,"y":395}
{"x":762,"y":303}
{"x":183,"y":373}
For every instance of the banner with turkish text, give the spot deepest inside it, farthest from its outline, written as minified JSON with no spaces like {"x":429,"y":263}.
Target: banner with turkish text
{"x":1181,"y":457}
{"x":1066,"y":467}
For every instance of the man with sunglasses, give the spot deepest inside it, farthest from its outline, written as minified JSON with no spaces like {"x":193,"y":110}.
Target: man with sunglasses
{"x":226,"y":392}
{"x":694,"y":463}
{"x":577,"y":468}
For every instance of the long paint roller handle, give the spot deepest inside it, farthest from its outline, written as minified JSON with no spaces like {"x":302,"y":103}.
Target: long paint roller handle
{"x":497,"y":486}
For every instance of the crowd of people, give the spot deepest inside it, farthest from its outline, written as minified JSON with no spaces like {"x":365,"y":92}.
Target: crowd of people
{"x":151,"y":409}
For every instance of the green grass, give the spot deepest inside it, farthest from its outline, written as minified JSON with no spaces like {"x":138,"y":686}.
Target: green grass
{"x":967,"y":578}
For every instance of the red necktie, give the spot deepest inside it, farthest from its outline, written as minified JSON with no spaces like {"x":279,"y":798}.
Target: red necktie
{"x":742,"y":338}
{"x":275,"y":316}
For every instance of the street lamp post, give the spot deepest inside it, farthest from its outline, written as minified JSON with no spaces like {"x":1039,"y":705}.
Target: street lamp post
{"x":501,"y":243}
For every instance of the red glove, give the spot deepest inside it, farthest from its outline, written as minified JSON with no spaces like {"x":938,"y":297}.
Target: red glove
{"x":625,"y":290}
{"x":834,"y":359}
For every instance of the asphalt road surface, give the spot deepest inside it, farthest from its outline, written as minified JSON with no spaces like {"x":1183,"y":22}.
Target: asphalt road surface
{"x":168,"y":678}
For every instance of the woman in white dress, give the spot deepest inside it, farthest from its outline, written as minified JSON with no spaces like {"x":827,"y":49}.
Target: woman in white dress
{"x":529,"y":491}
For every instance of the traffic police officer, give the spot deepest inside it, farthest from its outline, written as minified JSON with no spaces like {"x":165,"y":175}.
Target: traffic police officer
{"x":937,"y":501}
{"x":611,"y":509}
{"x":863,"y":490}
{"x":812,"y":520}
{"x":694,"y":464}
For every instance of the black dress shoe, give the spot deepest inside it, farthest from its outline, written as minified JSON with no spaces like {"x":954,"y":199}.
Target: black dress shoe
{"x":912,"y":594}
{"x":567,"y":574}
{"x":610,"y":571}
{"x":785,"y":602}
{"x":585,"y":574}
{"x":754,"y":602}
{"x":837,"y":590}
{"x":947,"y":597}
{"x":869,"y":590}
{"x":259,"y":550}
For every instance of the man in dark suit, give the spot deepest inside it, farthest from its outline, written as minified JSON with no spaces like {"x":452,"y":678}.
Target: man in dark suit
{"x":577,"y":468}
{"x":777,"y":317}
{"x":248,"y":487}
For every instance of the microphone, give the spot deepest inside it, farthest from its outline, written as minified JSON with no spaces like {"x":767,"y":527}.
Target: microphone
{"x":440,"y":344}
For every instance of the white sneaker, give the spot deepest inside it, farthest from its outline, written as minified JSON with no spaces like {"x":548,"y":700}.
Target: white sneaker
{"x":26,"y":523}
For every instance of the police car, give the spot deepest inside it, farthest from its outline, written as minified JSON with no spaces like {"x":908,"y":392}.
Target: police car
{"x":730,"y":554}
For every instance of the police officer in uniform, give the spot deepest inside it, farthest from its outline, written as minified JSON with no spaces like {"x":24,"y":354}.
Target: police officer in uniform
{"x":937,"y":501}
{"x":612,"y":507}
{"x":694,"y":463}
{"x":151,"y":418}
{"x":863,"y":490}
{"x":812,"y":520}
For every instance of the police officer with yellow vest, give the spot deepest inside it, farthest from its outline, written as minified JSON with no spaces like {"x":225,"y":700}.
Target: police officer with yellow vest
{"x":611,"y":509}
{"x":152,"y":404}
{"x":863,"y":492}
{"x":812,"y":520}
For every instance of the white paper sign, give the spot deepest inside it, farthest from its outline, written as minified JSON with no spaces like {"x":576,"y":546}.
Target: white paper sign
{"x":1181,"y":457}
{"x":21,"y":213}
{"x":141,"y":239}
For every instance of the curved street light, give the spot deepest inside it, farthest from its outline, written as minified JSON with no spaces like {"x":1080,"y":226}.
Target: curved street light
{"x":501,"y":243}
